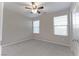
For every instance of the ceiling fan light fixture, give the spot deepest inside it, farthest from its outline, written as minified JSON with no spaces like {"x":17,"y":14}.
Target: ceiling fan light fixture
{"x":34,"y":11}
{"x":35,"y":8}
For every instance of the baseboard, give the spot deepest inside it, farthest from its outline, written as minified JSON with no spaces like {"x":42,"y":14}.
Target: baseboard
{"x":28,"y":38}
{"x":15,"y":42}
{"x":55,"y":43}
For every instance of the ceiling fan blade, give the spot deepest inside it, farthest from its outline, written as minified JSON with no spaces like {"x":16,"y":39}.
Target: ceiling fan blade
{"x":38,"y":12}
{"x":27,"y":8}
{"x":40,"y":7}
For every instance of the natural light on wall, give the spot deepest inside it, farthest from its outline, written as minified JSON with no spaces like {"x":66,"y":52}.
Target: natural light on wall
{"x":36,"y":26}
{"x":76,"y":25}
{"x":60,"y":25}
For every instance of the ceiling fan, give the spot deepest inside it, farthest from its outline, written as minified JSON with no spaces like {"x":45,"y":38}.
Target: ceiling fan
{"x":34,"y":7}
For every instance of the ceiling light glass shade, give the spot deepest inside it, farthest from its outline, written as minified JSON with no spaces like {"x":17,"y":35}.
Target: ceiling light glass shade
{"x":33,"y":6}
{"x":34,"y":11}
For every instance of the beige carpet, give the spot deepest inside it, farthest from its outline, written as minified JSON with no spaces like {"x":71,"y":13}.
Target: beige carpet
{"x":36,"y":48}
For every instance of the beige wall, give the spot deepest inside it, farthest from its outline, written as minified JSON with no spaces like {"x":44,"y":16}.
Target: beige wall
{"x":16,"y":27}
{"x":1,"y":19}
{"x":47,"y":30}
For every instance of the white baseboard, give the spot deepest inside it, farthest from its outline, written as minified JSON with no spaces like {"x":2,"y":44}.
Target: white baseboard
{"x":55,"y":42}
{"x":16,"y":42}
{"x":28,"y":38}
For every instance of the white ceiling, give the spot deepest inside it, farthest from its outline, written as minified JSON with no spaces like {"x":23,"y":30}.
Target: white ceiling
{"x":48,"y":7}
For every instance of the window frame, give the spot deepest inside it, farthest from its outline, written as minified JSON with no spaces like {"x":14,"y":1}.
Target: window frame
{"x":60,"y":25}
{"x":33,"y":27}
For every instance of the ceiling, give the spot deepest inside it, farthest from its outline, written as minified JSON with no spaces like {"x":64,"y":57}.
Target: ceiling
{"x":48,"y":7}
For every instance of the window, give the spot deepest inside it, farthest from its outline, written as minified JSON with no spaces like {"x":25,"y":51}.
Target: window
{"x":60,"y":25}
{"x":36,"y":26}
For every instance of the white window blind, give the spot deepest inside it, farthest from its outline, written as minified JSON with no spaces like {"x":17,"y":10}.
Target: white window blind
{"x":36,"y":26}
{"x":60,"y":25}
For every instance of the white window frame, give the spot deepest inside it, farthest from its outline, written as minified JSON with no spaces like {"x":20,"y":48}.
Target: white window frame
{"x":61,"y":26}
{"x":38,"y":27}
